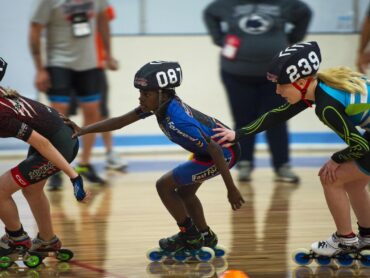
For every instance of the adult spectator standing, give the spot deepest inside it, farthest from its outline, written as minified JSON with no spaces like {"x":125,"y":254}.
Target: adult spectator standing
{"x":71,"y":61}
{"x":363,"y":55}
{"x":113,"y":159}
{"x":250,"y":33}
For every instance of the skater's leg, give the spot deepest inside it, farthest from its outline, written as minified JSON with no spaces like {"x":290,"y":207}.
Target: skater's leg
{"x":360,"y":200}
{"x":8,"y":209}
{"x":166,"y":188}
{"x":193,"y":205}
{"x":337,"y":198}
{"x":40,"y":208}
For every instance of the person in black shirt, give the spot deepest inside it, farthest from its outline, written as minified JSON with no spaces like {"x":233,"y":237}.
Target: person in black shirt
{"x":250,"y":33}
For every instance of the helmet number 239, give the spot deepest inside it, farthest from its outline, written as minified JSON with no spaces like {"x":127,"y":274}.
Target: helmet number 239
{"x":171,"y":76}
{"x":304,"y":67}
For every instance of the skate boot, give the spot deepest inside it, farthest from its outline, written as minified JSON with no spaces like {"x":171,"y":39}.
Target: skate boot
{"x":211,"y":240}
{"x":51,"y":248}
{"x":14,"y":249}
{"x":363,"y":242}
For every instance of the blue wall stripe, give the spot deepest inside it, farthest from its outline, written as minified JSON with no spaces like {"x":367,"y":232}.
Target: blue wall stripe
{"x":310,"y":138}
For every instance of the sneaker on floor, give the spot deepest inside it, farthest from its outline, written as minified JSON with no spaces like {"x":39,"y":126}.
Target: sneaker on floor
{"x":88,"y":172}
{"x":114,"y":161}
{"x":285,"y":174}
{"x":244,"y":170}
{"x":55,"y":182}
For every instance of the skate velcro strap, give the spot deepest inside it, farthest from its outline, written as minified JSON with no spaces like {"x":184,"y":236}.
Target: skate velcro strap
{"x":322,"y":244}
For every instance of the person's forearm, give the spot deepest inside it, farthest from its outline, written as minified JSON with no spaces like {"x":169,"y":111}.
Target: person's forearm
{"x":47,"y":150}
{"x":111,"y":124}
{"x":35,"y":45}
{"x":216,"y":153}
{"x":104,"y":31}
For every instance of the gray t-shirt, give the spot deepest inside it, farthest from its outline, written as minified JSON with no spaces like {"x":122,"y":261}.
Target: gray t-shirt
{"x":70,"y":31}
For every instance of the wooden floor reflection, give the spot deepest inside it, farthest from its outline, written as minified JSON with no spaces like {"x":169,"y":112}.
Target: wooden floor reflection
{"x":111,"y":234}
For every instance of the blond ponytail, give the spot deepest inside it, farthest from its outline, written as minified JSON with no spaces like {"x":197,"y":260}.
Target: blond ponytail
{"x":343,"y":78}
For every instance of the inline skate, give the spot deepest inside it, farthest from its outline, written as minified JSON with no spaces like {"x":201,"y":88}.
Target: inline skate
{"x":50,"y":248}
{"x":182,"y":247}
{"x":16,"y":249}
{"x":341,"y":250}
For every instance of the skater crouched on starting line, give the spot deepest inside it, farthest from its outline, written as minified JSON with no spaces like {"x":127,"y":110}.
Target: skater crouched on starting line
{"x":190,"y":129}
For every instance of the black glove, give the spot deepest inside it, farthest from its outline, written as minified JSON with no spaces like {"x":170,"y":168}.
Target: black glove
{"x":78,"y":188}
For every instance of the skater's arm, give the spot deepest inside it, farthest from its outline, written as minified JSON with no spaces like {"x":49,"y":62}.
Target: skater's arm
{"x":47,"y":150}
{"x":105,"y":125}
{"x":234,"y":196}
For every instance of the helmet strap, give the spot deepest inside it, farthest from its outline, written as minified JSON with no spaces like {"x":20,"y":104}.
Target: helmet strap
{"x":303,"y":90}
{"x":160,"y":96}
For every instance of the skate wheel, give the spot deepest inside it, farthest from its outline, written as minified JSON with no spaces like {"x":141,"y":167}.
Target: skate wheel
{"x":220,"y":251}
{"x":5,"y":262}
{"x":323,"y":260}
{"x":32,"y":261}
{"x":365,"y":257}
{"x":180,"y":256}
{"x":346,"y":260}
{"x":205,"y":254}
{"x":302,"y":256}
{"x":155,"y":254}
{"x":64,"y":255}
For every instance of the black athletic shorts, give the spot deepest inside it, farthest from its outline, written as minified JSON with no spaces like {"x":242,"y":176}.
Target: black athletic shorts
{"x":85,"y":84}
{"x":36,"y":168}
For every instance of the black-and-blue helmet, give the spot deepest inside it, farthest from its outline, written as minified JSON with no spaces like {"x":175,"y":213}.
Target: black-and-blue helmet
{"x":158,"y":75}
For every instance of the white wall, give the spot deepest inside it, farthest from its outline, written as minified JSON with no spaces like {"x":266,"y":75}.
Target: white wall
{"x":201,"y":87}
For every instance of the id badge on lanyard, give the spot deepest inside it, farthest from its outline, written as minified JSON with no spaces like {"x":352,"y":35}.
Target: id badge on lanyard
{"x":231,"y":46}
{"x":81,"y":25}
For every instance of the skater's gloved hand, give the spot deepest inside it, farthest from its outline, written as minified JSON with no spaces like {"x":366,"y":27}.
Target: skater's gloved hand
{"x":235,"y":198}
{"x":78,"y":189}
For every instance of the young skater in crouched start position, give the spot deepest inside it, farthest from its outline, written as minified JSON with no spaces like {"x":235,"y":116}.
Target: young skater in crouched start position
{"x":342,"y":102}
{"x":190,"y":129}
{"x":51,"y":150}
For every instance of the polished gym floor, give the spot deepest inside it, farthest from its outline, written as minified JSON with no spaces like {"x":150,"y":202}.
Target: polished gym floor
{"x":111,"y":235}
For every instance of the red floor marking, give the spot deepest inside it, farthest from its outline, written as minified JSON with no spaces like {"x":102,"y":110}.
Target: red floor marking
{"x":95,"y":269}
